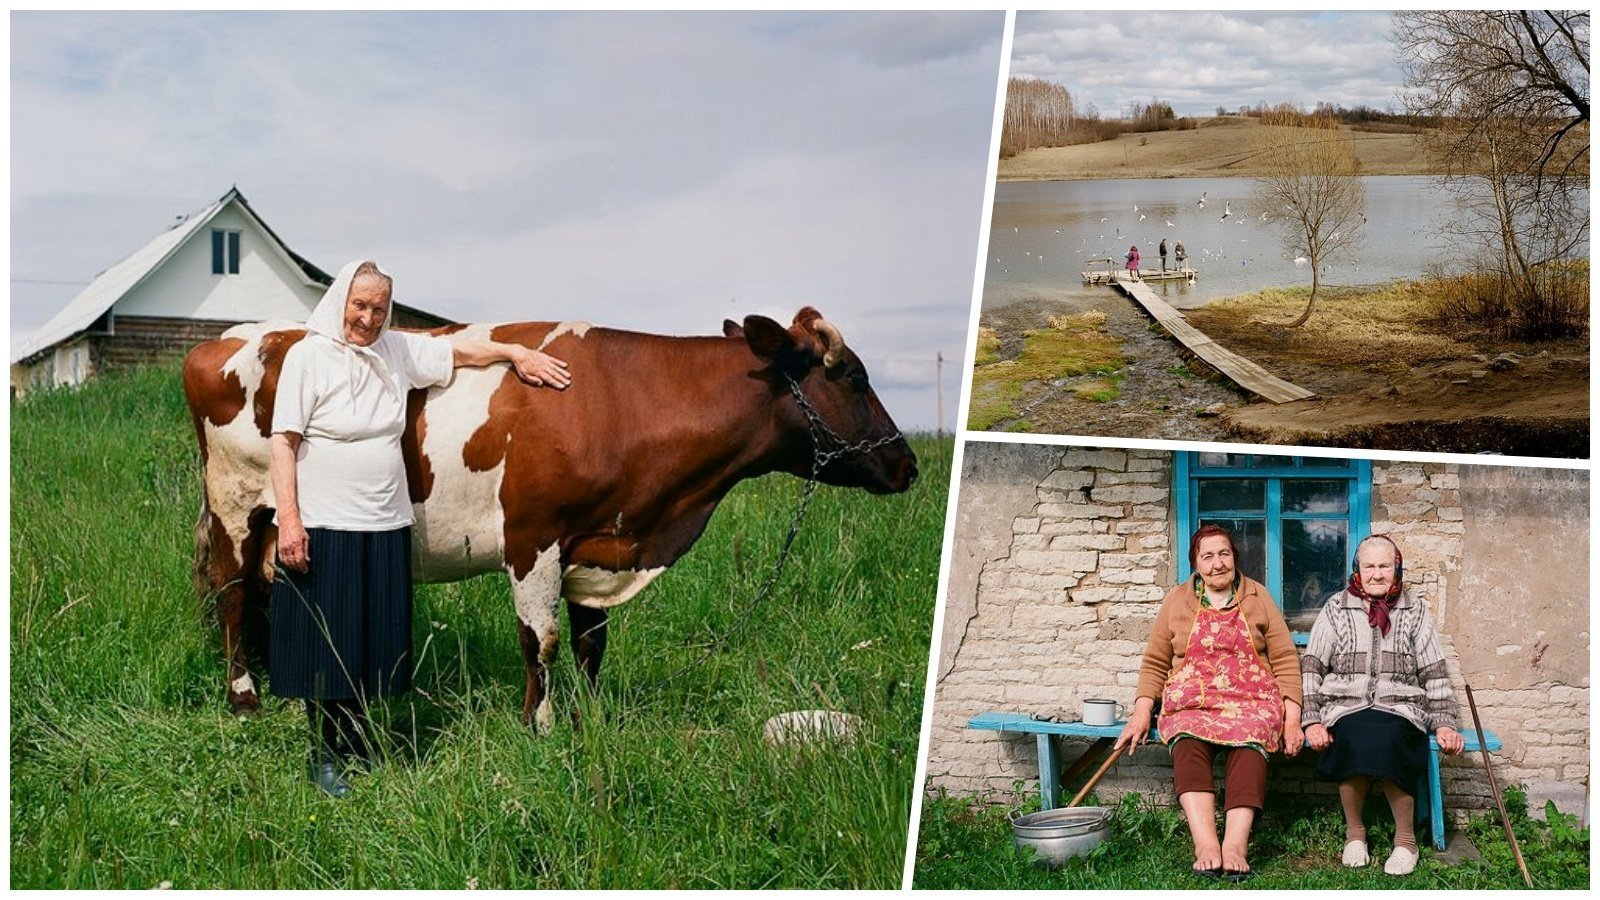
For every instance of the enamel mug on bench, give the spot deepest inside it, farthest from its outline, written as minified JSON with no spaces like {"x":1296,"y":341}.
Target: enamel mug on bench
{"x":1103,"y":712}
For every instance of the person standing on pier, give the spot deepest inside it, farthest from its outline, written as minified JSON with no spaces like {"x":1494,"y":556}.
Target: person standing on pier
{"x":1133,"y":262}
{"x":1163,"y":256}
{"x":1179,"y":254}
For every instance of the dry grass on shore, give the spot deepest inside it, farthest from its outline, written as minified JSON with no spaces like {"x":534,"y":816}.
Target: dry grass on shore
{"x":1219,"y":148}
{"x":1393,"y":324}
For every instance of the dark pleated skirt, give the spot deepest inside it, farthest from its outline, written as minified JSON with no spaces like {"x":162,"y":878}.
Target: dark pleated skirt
{"x":1376,"y":744}
{"x":343,"y":629}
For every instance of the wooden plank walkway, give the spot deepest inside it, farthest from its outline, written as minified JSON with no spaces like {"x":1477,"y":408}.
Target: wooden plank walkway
{"x":1242,"y":371}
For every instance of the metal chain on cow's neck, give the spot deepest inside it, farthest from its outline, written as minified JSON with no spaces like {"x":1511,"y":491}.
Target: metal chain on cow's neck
{"x":819,"y":458}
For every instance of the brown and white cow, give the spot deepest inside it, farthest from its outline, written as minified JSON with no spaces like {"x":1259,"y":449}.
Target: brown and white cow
{"x":586,"y":494}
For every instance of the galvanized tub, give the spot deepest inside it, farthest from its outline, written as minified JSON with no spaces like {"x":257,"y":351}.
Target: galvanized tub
{"x":1057,"y":835}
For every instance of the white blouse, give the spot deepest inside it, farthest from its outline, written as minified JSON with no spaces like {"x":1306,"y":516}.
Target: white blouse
{"x":348,"y":404}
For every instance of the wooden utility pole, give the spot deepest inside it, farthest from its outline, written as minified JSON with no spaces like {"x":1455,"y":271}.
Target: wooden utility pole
{"x":938,"y":382}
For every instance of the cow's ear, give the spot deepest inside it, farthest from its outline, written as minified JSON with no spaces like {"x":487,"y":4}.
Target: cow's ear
{"x":732,"y":329}
{"x":776,"y":345}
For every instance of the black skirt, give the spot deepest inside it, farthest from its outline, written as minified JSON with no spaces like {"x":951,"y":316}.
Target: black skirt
{"x":1377,"y":744}
{"x":343,"y":629}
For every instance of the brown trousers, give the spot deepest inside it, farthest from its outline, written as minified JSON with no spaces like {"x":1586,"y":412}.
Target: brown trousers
{"x":1244,"y":778}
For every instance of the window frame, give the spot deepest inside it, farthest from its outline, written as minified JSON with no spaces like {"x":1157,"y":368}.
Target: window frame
{"x":1188,"y":473}
{"x":227,"y":248}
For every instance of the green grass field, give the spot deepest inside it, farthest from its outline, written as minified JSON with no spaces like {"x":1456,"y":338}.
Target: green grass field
{"x":127,"y":771}
{"x":964,"y":844}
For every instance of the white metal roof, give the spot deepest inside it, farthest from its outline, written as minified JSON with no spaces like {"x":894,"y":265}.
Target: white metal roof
{"x":114,"y":283}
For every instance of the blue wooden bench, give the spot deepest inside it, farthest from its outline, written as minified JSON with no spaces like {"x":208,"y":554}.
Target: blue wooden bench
{"x":1430,"y":798}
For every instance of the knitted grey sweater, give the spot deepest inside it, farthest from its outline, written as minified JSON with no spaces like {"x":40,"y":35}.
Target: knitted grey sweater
{"x":1340,"y":673}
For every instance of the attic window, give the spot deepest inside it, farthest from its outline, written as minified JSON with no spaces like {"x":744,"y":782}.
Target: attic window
{"x":224,"y":252}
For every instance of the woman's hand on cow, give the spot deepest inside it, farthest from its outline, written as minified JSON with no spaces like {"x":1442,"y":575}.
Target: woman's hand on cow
{"x":540,"y":369}
{"x":294,"y":547}
{"x":1318,"y":738}
{"x":1450,"y":740}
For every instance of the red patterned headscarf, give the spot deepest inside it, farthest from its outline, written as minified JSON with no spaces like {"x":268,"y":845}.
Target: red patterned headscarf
{"x":1378,"y":608}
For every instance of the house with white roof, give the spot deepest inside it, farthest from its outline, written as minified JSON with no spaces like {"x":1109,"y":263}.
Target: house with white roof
{"x":218,"y":267}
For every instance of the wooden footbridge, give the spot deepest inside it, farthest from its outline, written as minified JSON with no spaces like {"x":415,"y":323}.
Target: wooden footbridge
{"x":1241,"y":371}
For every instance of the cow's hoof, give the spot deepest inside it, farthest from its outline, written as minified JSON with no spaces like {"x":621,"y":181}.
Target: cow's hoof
{"x":244,"y":704}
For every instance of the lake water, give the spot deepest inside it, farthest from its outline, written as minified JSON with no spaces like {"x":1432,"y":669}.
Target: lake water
{"x":1044,"y":231}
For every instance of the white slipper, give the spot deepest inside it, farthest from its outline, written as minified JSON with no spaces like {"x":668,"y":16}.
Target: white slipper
{"x":1401,"y":862}
{"x":1355,"y":854}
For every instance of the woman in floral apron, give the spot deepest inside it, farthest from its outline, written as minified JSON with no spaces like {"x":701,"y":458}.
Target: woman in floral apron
{"x":1222,"y":663}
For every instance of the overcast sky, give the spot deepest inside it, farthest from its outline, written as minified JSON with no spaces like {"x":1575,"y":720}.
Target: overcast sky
{"x":1198,"y":61}
{"x":652,"y":171}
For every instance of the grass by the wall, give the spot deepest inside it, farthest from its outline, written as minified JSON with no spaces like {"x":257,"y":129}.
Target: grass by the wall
{"x":127,"y":771}
{"x":965,"y":844}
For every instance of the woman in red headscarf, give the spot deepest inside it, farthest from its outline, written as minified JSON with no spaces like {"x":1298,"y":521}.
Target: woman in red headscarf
{"x":1375,"y":687}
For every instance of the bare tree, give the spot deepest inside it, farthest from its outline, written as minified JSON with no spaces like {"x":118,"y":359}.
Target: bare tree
{"x":1311,"y":189}
{"x":1508,"y":95}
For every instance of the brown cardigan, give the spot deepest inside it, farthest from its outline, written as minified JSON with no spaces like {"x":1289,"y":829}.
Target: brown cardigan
{"x":1169,"y":638}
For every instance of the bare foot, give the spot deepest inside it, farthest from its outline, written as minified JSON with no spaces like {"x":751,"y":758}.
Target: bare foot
{"x":1233,"y":859}
{"x":1207,"y":859}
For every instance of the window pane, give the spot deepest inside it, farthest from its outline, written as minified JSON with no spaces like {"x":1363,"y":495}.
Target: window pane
{"x":233,"y":253}
{"x":1208,"y":460}
{"x":1249,"y":538}
{"x":1325,"y":497}
{"x":216,"y":253}
{"x":1323,"y":462}
{"x":1316,"y":562}
{"x":1263,"y":461}
{"x":1233,"y":495}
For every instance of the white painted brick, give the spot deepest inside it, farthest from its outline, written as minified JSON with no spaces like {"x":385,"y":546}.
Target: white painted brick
{"x":1079,"y":511}
{"x":1097,"y":594}
{"x":1129,"y":494}
{"x":1095,"y":459}
{"x":1088,"y":542}
{"x":1066,"y":481}
{"x":1129,"y":576}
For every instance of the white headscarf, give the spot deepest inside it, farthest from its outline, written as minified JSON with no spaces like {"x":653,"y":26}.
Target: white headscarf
{"x":328,"y":320}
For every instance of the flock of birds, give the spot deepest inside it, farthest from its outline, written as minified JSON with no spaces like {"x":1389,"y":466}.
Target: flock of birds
{"x":1206,"y":253}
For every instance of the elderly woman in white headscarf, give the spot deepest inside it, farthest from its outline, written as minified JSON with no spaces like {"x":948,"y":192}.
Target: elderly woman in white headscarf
{"x":341,"y":604}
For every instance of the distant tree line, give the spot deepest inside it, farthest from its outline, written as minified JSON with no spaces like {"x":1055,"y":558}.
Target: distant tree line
{"x":1360,"y":117}
{"x":1042,"y":113}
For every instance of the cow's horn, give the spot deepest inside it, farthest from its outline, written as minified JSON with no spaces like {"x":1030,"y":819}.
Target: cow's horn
{"x":832,"y":342}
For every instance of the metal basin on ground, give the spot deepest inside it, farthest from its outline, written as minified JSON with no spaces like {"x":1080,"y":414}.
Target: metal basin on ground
{"x":1057,"y":835}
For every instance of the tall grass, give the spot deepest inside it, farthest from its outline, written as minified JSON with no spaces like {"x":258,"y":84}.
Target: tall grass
{"x":127,"y":771}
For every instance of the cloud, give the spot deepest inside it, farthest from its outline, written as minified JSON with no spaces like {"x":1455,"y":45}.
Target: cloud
{"x":1201,"y":60}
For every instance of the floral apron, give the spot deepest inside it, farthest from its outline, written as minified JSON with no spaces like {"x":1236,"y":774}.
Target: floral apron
{"x":1223,"y":693}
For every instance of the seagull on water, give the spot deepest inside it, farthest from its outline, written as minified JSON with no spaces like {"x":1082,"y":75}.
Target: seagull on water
{"x":1141,"y":217}
{"x":1227,"y":210}
{"x":1202,"y":203}
{"x":1169,"y":223}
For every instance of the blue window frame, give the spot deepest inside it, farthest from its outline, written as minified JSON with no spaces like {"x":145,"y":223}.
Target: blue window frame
{"x":1293,"y":518}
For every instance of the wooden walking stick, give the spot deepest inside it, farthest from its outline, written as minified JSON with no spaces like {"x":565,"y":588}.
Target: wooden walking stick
{"x":1495,"y":786}
{"x":1095,"y":779}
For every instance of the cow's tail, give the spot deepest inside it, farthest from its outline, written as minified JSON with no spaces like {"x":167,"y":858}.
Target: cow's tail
{"x":203,"y":588}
